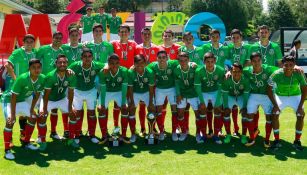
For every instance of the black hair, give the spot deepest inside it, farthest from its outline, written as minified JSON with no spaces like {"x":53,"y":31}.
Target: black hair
{"x":34,"y":61}
{"x":28,"y":36}
{"x":138,"y":58}
{"x":86,"y":50}
{"x":237,"y":65}
{"x":288,"y":58}
{"x":209,"y":55}
{"x":254,"y":55}
{"x":113,"y":57}
{"x":97,"y":26}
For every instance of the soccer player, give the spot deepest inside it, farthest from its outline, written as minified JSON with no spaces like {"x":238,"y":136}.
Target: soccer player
{"x":17,"y":64}
{"x":149,"y":51}
{"x":126,"y":50}
{"x":85,"y":72}
{"x":235,"y":91}
{"x":23,"y":103}
{"x":184,"y":75}
{"x":208,"y":82}
{"x":140,"y":89}
{"x":113,"y":87}
{"x":114,"y":24}
{"x":73,"y":49}
{"x":270,"y":52}
{"x":87,"y":21}
{"x":165,"y":88}
{"x":102,"y":18}
{"x":100,"y":48}
{"x":290,"y":91}
{"x":168,"y":45}
{"x":56,"y":84}
{"x":238,"y":52}
{"x":258,"y":75}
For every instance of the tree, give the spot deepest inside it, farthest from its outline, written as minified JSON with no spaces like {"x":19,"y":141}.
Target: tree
{"x":49,"y":6}
{"x":128,"y":5}
{"x":299,"y":9}
{"x":174,"y":5}
{"x":281,"y":14}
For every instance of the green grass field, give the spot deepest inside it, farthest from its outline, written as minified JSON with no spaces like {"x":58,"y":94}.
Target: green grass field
{"x":165,"y":158}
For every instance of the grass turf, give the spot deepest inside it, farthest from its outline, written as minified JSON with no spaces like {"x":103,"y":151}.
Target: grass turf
{"x":165,"y":158}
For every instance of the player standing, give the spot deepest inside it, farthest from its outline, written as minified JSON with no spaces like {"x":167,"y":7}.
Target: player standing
{"x":102,"y":18}
{"x":73,"y":49}
{"x":114,"y":24}
{"x":87,"y":21}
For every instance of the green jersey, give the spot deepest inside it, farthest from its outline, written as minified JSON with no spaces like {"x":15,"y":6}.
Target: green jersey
{"x":270,"y":54}
{"x":102,"y":19}
{"x":239,"y":54}
{"x":86,"y":77}
{"x":221,"y":53}
{"x":101,"y":51}
{"x":259,"y":81}
{"x":184,"y":82}
{"x":87,"y":23}
{"x":235,"y":89}
{"x":20,"y":60}
{"x":58,"y":85}
{"x":141,"y":83}
{"x":209,"y":81}
{"x":47,"y":55}
{"x":114,"y":82}
{"x":196,"y":55}
{"x":72,"y":53}
{"x":287,"y":86}
{"x":114,"y":23}
{"x":24,"y":86}
{"x":6,"y":96}
{"x":164,"y":77}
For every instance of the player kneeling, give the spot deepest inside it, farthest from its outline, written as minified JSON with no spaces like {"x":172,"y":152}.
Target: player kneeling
{"x":235,"y":91}
{"x":56,"y":84}
{"x":113,"y":87}
{"x":184,"y":75}
{"x":23,"y":103}
{"x":140,"y":88}
{"x":290,"y":91}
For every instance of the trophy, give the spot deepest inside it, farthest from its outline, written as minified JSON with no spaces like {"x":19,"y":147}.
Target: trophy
{"x":151,"y":139}
{"x":114,"y":140}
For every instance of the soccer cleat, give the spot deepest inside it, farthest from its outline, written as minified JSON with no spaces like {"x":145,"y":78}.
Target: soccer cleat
{"x":66,"y":135}
{"x":9,"y":155}
{"x":72,"y":143}
{"x":236,"y":134}
{"x":133,"y":138}
{"x":125,"y":140}
{"x":244,"y":139}
{"x":103,"y":140}
{"x":183,"y":136}
{"x":30,"y":146}
{"x":94,"y":139}
{"x":175,"y":137}
{"x":210,"y":134}
{"x":199,"y":138}
{"x":221,"y":134}
{"x":217,"y":140}
{"x":55,"y":136}
{"x":178,"y":130}
{"x":276,"y":144}
{"x":298,"y":145}
{"x":77,"y":140}
{"x":161,"y":136}
{"x":250,"y":143}
{"x":142,"y":133}
{"x":266,"y":143}
{"x":42,"y":146}
{"x":256,"y":132}
{"x":227,"y":138}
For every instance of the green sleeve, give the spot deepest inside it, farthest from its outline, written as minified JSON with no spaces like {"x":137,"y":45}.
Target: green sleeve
{"x":151,"y":78}
{"x":130,"y":78}
{"x":72,"y":81}
{"x":16,"y":89}
{"x":197,"y":86}
{"x":49,"y":82}
{"x":120,"y":20}
{"x":278,"y":53}
{"x":40,"y":53}
{"x":302,"y":79}
{"x":124,"y":87}
{"x":111,"y":49}
{"x":225,"y":94}
{"x":177,"y":87}
{"x":42,"y":79}
{"x":103,"y":88}
{"x":246,"y":93}
{"x":218,"y":97}
{"x":14,"y":57}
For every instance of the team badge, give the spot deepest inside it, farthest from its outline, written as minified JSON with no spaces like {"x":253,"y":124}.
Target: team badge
{"x":145,"y":80}
{"x":152,"y":52}
{"x":56,"y":84}
{"x":130,"y":48}
{"x":119,"y":79}
{"x":38,"y":86}
{"x":172,"y":51}
{"x":196,"y":55}
{"x":93,"y":73}
{"x":222,"y":53}
{"x":271,"y":51}
{"x":65,"y":83}
{"x":215,"y":77}
{"x":243,"y":51}
{"x":241,"y":87}
{"x":169,"y":71}
{"x":79,"y":74}
{"x":264,"y":76}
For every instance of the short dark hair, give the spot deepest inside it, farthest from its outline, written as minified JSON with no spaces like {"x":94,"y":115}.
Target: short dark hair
{"x":86,"y":50}
{"x":187,"y":34}
{"x":288,"y":58}
{"x":263,"y":27}
{"x":235,"y":31}
{"x":209,"y":55}
{"x":145,"y":29}
{"x":60,"y":56}
{"x":254,"y":55}
{"x":138,"y":58}
{"x":72,"y":30}
{"x":237,"y":65}
{"x":28,"y":36}
{"x":161,"y":52}
{"x":114,"y":56}
{"x":34,"y":61}
{"x":296,"y":42}
{"x":57,"y":33}
{"x":168,"y":31}
{"x":124,"y":26}
{"x":215,"y":31}
{"x":97,"y":26}
{"x":183,"y":54}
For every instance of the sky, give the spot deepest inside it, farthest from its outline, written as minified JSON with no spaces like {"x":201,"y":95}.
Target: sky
{"x":265,"y":5}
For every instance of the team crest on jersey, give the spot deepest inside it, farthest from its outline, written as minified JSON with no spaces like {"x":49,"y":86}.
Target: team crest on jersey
{"x":215,"y":77}
{"x":28,"y":93}
{"x":103,"y":49}
{"x":130,"y":48}
{"x":264,"y":76}
{"x":152,"y":52}
{"x":172,"y":51}
{"x":65,"y":83}
{"x":119,"y":79}
{"x":222,"y":53}
{"x":196,"y":55}
{"x":38,"y":86}
{"x":169,"y":71}
{"x":241,"y":87}
{"x":271,"y":51}
{"x":145,"y":80}
{"x":243,"y":51}
{"x":93,"y":73}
